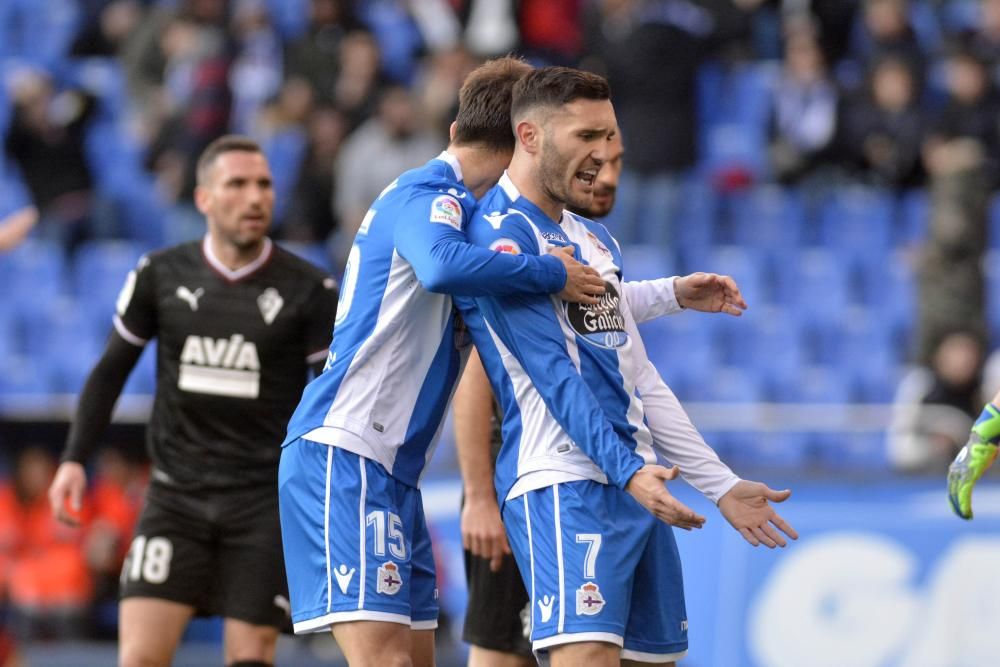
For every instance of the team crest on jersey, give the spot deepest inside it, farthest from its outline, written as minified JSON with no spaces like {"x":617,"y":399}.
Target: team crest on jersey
{"x":389,"y":579}
{"x":600,"y":324}
{"x":508,"y":246}
{"x":589,"y":601}
{"x":601,"y":248}
{"x":270,"y":303}
{"x":446,"y":209}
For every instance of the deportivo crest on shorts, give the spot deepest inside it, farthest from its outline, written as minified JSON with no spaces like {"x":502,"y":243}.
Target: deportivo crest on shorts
{"x":389,"y":579}
{"x":589,"y":601}
{"x":446,"y":209}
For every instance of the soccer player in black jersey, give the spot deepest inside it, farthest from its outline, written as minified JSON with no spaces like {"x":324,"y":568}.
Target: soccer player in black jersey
{"x":239,"y":324}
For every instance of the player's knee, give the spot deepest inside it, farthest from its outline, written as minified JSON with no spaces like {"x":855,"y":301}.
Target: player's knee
{"x":593,"y":654}
{"x":137,"y":657}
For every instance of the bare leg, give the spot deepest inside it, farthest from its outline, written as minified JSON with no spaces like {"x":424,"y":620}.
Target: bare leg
{"x":484,"y":657}
{"x":149,"y":630}
{"x":245,"y":641}
{"x":592,"y":654}
{"x":374,"y":643}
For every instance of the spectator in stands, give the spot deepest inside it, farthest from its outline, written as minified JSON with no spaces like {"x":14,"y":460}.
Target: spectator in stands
{"x":984,"y":39}
{"x":884,"y":127}
{"x":315,"y":57}
{"x":438,"y":85}
{"x":115,"y":502}
{"x":256,"y":72}
{"x":396,"y":136}
{"x":106,"y":28}
{"x":360,"y":81}
{"x":48,"y":582}
{"x":310,"y":216}
{"x":15,"y":226}
{"x":48,"y":128}
{"x":804,"y":117}
{"x":886,"y":30}
{"x":935,"y":405}
{"x":968,"y":120}
{"x":650,"y":52}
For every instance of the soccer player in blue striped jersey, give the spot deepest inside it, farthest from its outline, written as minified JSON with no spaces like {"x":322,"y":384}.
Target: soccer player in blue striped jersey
{"x":584,"y":410}
{"x":359,"y":559}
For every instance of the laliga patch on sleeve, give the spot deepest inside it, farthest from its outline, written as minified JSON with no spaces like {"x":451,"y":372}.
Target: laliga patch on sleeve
{"x":446,"y":210}
{"x":508,"y":246}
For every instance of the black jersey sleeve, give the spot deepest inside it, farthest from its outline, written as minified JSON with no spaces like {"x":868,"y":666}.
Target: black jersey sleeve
{"x":321,"y":311}
{"x":135,"y":311}
{"x":97,"y":400}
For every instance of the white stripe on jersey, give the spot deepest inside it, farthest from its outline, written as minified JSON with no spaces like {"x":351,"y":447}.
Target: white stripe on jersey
{"x":377,"y":384}
{"x":361,"y":527}
{"x":539,"y":430}
{"x":531,"y":561}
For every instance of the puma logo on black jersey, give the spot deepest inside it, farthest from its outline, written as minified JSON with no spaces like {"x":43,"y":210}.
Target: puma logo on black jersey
{"x":190,"y":297}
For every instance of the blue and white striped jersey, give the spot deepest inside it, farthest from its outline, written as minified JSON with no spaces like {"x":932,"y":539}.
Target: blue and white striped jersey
{"x":397,"y":352}
{"x":569,"y":377}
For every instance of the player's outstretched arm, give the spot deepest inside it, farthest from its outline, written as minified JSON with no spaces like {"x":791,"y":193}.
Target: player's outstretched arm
{"x":93,"y":414}
{"x":705,"y":292}
{"x":481,"y":526}
{"x":648,"y":487}
{"x":710,"y":293}
{"x":974,"y":459}
{"x":747,"y":508}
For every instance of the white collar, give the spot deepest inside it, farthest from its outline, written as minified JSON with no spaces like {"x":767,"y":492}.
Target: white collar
{"x":242,"y":272}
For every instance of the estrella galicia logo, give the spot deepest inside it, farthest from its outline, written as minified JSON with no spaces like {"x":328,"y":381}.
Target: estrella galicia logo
{"x":601,"y":324}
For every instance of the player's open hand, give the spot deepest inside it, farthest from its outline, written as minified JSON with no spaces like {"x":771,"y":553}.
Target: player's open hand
{"x":746,"y":507}
{"x":482,"y":530}
{"x":583,"y":283}
{"x":710,"y":293}
{"x":648,"y":486}
{"x":66,"y":492}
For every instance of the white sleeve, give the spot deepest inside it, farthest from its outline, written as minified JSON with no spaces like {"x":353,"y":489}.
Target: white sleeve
{"x":674,"y":436}
{"x":649,"y":299}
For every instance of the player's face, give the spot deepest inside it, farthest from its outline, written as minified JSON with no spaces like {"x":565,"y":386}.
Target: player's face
{"x":237,"y":198}
{"x":576,"y":144}
{"x":607,"y":180}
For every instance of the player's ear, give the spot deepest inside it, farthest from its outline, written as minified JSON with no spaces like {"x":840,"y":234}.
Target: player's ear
{"x":202,"y":199}
{"x":529,"y":135}
{"x":451,"y":131}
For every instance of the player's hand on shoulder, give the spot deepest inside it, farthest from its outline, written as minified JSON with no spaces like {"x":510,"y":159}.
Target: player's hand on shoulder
{"x":583,"y":283}
{"x":710,"y":293}
{"x":482,"y":530}
{"x":746,"y":506}
{"x":648,"y":486}
{"x":66,"y":492}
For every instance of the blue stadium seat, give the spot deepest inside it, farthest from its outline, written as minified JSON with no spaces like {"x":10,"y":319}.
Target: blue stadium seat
{"x":35,"y":276}
{"x":768,"y":217}
{"x":681,"y":349}
{"x":22,"y":375}
{"x":284,"y":152}
{"x":64,"y":327}
{"x":646,"y":262}
{"x":889,"y":288}
{"x":815,"y":284}
{"x":730,"y":384}
{"x":829,"y":386}
{"x":914,"y":218}
{"x":142,"y":381}
{"x":775,"y":351}
{"x":864,"y":347}
{"x":99,"y":269}
{"x":695,"y":229}
{"x":857,"y":222}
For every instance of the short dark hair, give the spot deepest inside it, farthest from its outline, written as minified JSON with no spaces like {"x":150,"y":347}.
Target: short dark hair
{"x":225,"y":144}
{"x":554,"y":87}
{"x":484,"y":104}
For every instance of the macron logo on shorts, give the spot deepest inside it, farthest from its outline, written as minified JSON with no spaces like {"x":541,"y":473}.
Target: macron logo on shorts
{"x":545,"y":607}
{"x":343,"y":577}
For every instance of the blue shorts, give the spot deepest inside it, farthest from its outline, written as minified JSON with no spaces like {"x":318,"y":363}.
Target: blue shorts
{"x":598,"y":567}
{"x":355,"y":539}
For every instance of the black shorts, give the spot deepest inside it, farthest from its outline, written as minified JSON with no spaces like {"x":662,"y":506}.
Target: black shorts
{"x":219,"y":552}
{"x":497,"y":615}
